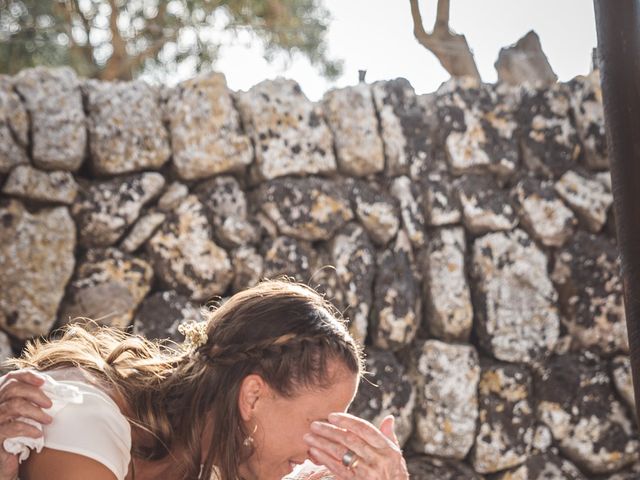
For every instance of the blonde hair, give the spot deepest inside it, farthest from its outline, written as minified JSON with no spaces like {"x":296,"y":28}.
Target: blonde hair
{"x":283,"y":331}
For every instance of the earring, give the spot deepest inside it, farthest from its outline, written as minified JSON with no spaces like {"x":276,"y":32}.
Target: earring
{"x":248,"y":441}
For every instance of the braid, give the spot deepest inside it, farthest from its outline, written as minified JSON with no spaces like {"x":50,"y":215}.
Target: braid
{"x":233,"y":354}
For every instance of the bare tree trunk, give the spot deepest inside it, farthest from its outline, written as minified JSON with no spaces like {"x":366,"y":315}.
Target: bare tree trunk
{"x":450,"y":48}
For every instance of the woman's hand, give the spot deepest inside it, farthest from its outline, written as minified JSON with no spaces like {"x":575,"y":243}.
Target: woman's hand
{"x":377,"y":451}
{"x":20,"y":396}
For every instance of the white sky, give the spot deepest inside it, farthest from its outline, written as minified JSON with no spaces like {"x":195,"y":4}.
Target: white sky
{"x":377,"y":36}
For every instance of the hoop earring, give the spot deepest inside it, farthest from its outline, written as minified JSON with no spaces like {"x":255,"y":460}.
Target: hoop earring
{"x":248,"y":441}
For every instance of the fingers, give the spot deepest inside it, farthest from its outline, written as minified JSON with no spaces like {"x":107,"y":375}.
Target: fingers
{"x":19,"y":429}
{"x":362,"y":428}
{"x":19,"y":407}
{"x":388,"y":430}
{"x":337,"y":441}
{"x":26,"y":376}
{"x":15,"y":388}
{"x":338,"y":469}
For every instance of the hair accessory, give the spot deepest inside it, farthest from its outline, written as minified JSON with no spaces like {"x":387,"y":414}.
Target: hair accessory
{"x":195,"y":334}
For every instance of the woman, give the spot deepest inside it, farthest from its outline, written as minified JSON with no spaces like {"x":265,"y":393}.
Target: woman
{"x":261,"y":387}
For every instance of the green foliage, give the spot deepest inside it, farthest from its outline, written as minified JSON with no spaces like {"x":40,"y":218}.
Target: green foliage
{"x":119,"y":39}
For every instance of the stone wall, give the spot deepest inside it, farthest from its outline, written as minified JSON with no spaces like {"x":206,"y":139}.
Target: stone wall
{"x":467,"y":234}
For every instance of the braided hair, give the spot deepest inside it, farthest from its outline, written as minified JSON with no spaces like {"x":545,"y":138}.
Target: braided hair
{"x":283,"y":331}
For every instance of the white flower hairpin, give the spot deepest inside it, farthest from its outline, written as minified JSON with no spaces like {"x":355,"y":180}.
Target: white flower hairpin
{"x":195,"y":334}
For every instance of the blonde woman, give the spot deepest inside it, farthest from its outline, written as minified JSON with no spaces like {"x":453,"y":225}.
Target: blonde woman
{"x":261,"y":387}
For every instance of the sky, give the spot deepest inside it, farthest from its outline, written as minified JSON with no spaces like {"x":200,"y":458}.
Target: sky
{"x":377,"y":36}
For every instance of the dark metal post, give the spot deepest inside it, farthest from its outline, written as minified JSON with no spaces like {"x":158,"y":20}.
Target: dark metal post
{"x":618,"y":27}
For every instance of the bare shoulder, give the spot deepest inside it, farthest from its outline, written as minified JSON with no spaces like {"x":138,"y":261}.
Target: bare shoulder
{"x":53,"y":464}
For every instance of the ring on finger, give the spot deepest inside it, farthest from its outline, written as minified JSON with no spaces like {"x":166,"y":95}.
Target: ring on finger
{"x":349,"y":459}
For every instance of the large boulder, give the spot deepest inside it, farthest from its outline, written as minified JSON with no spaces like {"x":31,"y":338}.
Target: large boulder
{"x":107,"y":288}
{"x":305,"y":208}
{"x":446,"y":377}
{"x":587,"y":274}
{"x":104,"y":210}
{"x":54,"y":101}
{"x":506,"y":418}
{"x":517,"y":317}
{"x":396,"y":297}
{"x":575,"y":399}
{"x":352,"y":119}
{"x":385,"y":390}
{"x":36,"y":262}
{"x":206,"y":136}
{"x":126,"y":130}
{"x":14,"y":127}
{"x":288,"y":131}
{"x":448,"y":307}
{"x":184,"y":255}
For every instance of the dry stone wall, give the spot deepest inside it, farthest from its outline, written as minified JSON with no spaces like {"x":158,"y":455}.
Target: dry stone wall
{"x":467,"y":235}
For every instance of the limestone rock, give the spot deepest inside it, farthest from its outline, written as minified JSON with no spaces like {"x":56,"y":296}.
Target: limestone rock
{"x":576,"y":401}
{"x":621,"y":375}
{"x":396,"y":297}
{"x":288,"y":131}
{"x":288,"y":256}
{"x":506,"y":424}
{"x":485,"y":207}
{"x":353,"y":257}
{"x":105,"y":209}
{"x":377,"y":211}
{"x":385,"y":390}
{"x":247,"y":268}
{"x":54,"y":101}
{"x":172,"y":196}
{"x":126,"y":132}
{"x":587,"y":275}
{"x":586,"y":100}
{"x":408,"y":196}
{"x":305,"y":208}
{"x":449,"y":312}
{"x":14,"y":127}
{"x":478,"y":126}
{"x":352,"y":119}
{"x":108,"y":287}
{"x":525,"y":62}
{"x":206,"y":136}
{"x":542,"y":213}
{"x":424,"y":467}
{"x":142,"y":230}
{"x":55,"y":187}
{"x":588,"y":198}
{"x":160,"y":315}
{"x":517,"y":319}
{"x":184,"y":256}
{"x":406,"y":134}
{"x":547,"y":466}
{"x":441,"y":205}
{"x":226,"y":208}
{"x":36,"y":262}
{"x":446,"y":377}
{"x":550,"y":143}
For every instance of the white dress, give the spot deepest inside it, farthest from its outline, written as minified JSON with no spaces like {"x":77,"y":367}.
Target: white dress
{"x":93,"y":427}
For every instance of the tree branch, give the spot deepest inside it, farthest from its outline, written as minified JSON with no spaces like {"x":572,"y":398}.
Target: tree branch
{"x":450,"y":49}
{"x":114,"y":69}
{"x":87,"y":48}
